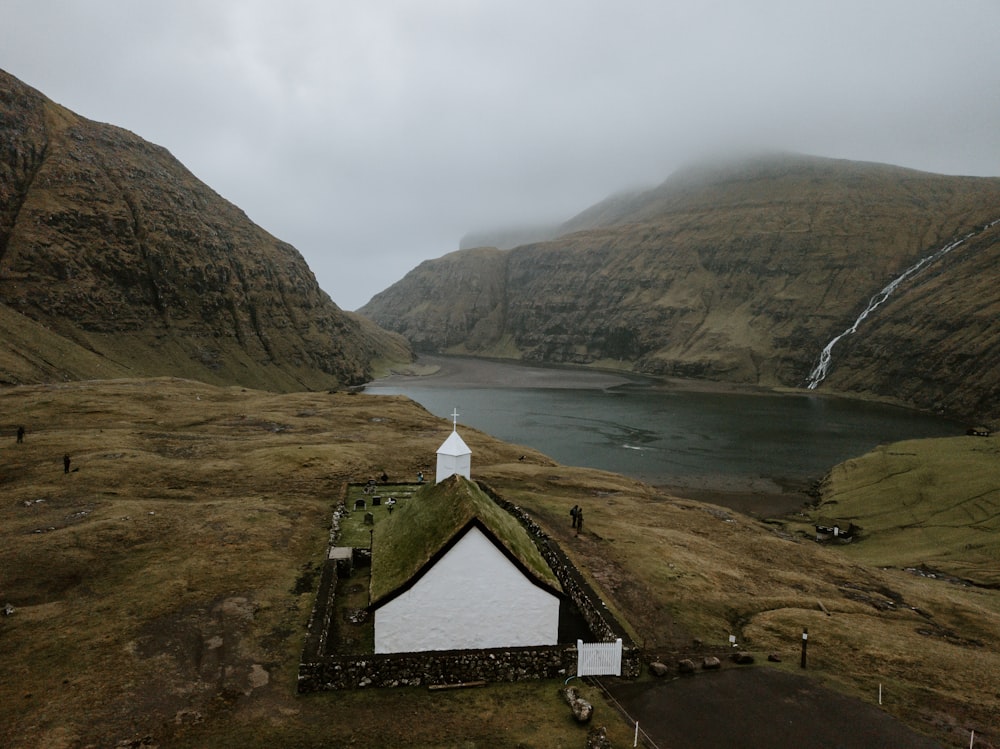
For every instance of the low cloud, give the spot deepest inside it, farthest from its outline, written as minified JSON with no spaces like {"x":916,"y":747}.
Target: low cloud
{"x":373,"y":135}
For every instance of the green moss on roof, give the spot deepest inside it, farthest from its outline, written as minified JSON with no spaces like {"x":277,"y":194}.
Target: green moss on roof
{"x":423,"y":524}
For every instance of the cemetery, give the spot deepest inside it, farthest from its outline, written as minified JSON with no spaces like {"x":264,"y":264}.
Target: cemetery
{"x":447,"y":583}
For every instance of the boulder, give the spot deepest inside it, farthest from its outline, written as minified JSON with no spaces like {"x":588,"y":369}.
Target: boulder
{"x":711,"y":663}
{"x":658,"y":669}
{"x":774,"y":658}
{"x":583,"y":711}
{"x":686,"y":666}
{"x":743,"y":658}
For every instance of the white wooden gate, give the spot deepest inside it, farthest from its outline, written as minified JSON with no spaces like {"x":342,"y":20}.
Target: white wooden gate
{"x":599,"y":658}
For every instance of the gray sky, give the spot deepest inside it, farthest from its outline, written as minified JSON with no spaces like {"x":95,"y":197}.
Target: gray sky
{"x":373,"y":134}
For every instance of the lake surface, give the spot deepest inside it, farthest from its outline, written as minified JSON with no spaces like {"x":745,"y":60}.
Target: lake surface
{"x":680,"y":437}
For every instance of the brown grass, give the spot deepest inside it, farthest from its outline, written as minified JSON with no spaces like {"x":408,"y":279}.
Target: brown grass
{"x":166,"y":590}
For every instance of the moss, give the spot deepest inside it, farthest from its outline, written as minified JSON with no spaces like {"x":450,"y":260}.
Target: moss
{"x":424,"y":524}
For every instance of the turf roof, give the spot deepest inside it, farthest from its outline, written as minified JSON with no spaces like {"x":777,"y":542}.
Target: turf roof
{"x":421,"y":526}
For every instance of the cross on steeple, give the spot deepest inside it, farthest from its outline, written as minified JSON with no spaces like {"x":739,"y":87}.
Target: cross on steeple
{"x":454,"y":418}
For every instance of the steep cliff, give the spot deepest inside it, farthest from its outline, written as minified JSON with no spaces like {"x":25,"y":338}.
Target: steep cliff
{"x":116,"y":261}
{"x":742,"y":273}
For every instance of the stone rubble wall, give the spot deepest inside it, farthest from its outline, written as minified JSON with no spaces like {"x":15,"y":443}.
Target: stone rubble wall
{"x":319,"y":621}
{"x":438,"y":667}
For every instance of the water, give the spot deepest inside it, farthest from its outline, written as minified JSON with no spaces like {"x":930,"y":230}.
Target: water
{"x":822,"y":369}
{"x":678,"y":437}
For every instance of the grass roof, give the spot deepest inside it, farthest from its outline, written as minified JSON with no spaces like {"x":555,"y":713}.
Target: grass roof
{"x":423,"y":525}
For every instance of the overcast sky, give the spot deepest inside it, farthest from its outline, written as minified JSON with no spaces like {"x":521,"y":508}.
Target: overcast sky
{"x":373,"y":134}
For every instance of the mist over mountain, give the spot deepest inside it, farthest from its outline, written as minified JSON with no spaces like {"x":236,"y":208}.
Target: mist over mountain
{"x":507,"y":239}
{"x":116,"y":261}
{"x":741,"y":271}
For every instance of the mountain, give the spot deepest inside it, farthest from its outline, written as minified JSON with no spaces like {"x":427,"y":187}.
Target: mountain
{"x":509,"y":238}
{"x":742,"y":272}
{"x":116,"y":261}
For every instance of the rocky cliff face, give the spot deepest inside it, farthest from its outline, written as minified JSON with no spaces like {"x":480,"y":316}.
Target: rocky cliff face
{"x":115,"y":260}
{"x":741,"y":273}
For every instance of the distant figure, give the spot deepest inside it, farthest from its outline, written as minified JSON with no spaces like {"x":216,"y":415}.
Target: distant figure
{"x":420,"y":477}
{"x":385,"y":477}
{"x":575,"y":514}
{"x":20,"y":435}
{"x":579,"y":520}
{"x":66,"y":463}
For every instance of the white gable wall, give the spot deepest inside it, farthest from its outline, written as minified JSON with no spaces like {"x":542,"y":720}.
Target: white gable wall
{"x":473,"y":597}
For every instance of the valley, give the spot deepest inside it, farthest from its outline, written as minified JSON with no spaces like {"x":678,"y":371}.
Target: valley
{"x":194,"y":512}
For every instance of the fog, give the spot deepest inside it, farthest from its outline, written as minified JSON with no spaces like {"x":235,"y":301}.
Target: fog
{"x":374,"y":135}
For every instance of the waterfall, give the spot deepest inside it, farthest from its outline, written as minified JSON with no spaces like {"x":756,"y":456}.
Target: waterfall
{"x":826,"y":355}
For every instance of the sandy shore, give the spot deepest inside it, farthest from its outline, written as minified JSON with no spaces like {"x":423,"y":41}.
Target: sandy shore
{"x":454,"y":371}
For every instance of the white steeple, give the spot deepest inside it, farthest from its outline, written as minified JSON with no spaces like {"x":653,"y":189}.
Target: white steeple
{"x":454,"y":456}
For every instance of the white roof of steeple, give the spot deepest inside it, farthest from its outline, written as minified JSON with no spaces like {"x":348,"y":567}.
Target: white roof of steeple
{"x":454,"y":445}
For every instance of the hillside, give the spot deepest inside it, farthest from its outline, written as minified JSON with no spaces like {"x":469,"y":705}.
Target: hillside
{"x":161,"y":589}
{"x":116,"y":261}
{"x":932,"y":504}
{"x":741,"y":273}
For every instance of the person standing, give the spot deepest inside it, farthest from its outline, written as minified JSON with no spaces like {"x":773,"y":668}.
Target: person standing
{"x":20,"y":435}
{"x":66,"y":463}
{"x":579,"y":520}
{"x":574,"y":513}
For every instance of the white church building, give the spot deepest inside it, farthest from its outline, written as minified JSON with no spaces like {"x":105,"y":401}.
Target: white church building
{"x":451,"y":570}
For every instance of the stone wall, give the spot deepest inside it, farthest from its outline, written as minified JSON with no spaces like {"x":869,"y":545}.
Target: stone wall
{"x":319,"y":622}
{"x":438,"y":667}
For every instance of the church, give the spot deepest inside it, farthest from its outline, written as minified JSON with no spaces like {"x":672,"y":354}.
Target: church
{"x":451,"y":570}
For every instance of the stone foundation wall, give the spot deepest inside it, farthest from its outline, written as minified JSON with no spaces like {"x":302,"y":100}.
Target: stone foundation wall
{"x":438,"y":667}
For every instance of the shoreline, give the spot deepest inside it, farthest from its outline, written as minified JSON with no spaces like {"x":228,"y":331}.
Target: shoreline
{"x":438,"y":370}
{"x":759,"y":498}
{"x":760,"y":505}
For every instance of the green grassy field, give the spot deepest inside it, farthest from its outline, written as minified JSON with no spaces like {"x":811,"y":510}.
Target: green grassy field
{"x":162,"y":588}
{"x":928,"y":503}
